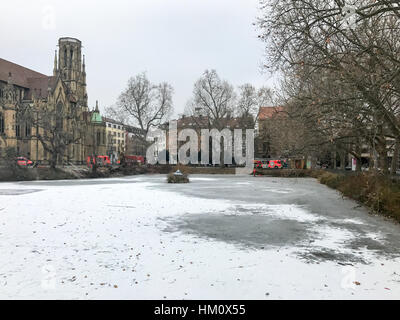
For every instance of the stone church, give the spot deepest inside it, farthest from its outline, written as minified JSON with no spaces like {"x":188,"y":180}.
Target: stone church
{"x":47,"y":118}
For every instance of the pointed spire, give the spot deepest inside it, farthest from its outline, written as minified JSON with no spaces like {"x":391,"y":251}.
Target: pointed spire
{"x":55,"y":64}
{"x":97,"y":106}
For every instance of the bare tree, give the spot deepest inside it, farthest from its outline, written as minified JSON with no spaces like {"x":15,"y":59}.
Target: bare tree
{"x":56,"y":127}
{"x":213,"y":104}
{"x":344,"y":76}
{"x":143,"y":103}
{"x":250,"y":100}
{"x":213,"y":98}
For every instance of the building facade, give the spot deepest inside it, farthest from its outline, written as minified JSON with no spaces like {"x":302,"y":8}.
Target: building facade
{"x":115,"y":132}
{"x":47,"y":118}
{"x":135,"y":141}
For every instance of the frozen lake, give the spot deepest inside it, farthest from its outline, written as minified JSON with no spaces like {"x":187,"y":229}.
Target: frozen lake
{"x":219,"y":237}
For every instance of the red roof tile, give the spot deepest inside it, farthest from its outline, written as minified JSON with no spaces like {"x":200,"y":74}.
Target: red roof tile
{"x":268,"y":112}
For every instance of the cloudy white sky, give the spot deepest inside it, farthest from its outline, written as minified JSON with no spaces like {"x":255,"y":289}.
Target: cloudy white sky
{"x":172,"y":40}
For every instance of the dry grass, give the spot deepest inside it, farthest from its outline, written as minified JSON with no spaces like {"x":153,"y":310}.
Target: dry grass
{"x":376,"y":191}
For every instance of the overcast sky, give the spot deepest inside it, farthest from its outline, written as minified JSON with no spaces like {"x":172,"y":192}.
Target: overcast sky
{"x":172,"y":40}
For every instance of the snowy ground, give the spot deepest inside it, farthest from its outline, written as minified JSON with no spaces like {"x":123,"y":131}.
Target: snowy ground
{"x":219,"y":237}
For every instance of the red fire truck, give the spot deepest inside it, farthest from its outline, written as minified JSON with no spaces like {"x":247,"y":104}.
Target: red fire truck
{"x":133,"y":160}
{"x":101,"y":161}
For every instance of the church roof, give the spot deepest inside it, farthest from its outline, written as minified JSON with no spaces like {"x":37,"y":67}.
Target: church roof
{"x":19,"y":74}
{"x":36,"y":82}
{"x":39,"y":86}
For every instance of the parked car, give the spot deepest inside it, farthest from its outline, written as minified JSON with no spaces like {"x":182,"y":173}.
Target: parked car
{"x":24,"y":162}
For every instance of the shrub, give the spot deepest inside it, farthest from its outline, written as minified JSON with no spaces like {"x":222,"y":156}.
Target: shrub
{"x":331,"y":180}
{"x":376,"y":191}
{"x":285,"y":173}
{"x":172,"y":178}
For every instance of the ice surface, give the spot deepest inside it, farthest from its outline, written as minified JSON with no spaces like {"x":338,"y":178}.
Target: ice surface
{"x":140,"y":238}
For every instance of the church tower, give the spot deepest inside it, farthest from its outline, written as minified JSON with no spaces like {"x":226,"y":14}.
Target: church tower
{"x":71,"y":68}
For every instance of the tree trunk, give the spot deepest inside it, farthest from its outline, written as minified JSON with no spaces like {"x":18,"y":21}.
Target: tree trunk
{"x":53,"y":160}
{"x":358,"y":164}
{"x":371,"y":164}
{"x":313,"y":162}
{"x":334,"y":164}
{"x":382,"y":156}
{"x":395,"y":159}
{"x":342,"y":160}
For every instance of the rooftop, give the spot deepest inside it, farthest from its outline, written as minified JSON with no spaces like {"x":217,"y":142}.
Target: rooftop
{"x":268,"y":112}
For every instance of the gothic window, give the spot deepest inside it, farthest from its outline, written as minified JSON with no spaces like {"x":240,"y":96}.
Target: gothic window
{"x":71,"y":53}
{"x":1,"y":123}
{"x":27,"y":129}
{"x":18,"y":131}
{"x":65,"y":57}
{"x":59,"y":118}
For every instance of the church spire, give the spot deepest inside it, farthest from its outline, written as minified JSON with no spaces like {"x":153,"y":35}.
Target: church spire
{"x":55,"y":64}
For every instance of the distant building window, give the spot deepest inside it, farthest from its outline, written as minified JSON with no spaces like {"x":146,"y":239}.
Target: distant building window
{"x":115,"y":126}
{"x":98,"y":138}
{"x":109,"y":125}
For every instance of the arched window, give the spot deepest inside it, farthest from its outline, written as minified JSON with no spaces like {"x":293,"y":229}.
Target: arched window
{"x":1,"y":123}
{"x":59,"y":116}
{"x":27,"y":129}
{"x":17,"y":130}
